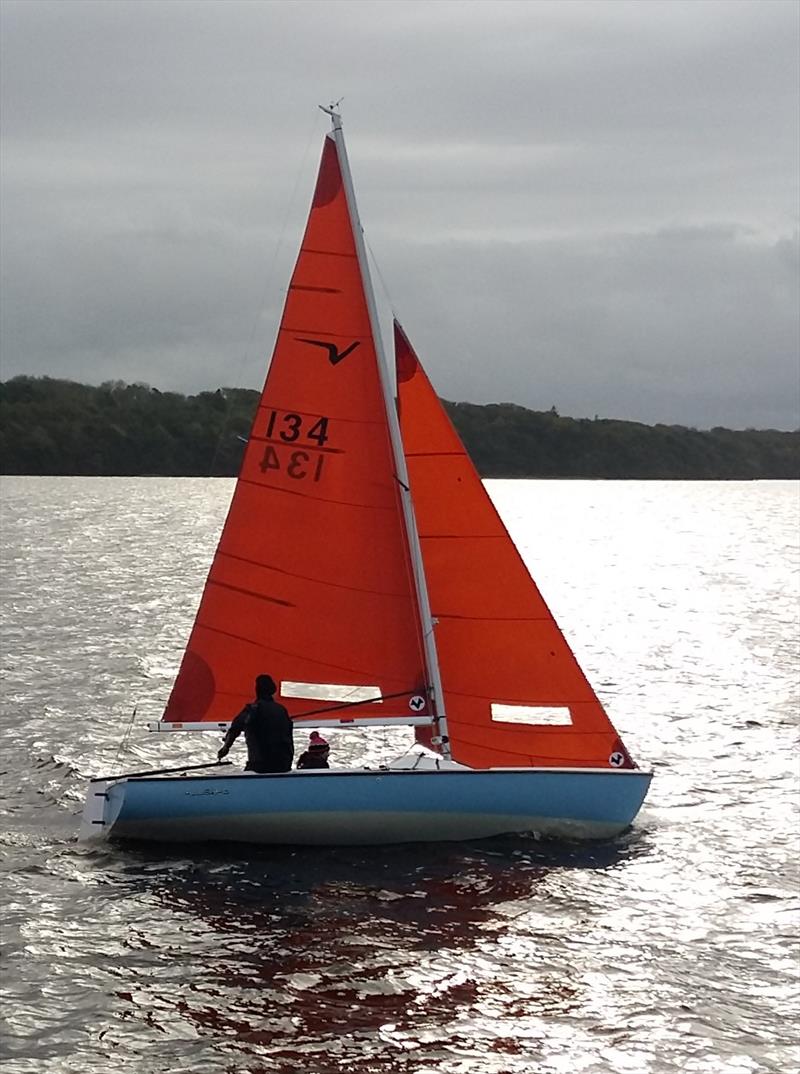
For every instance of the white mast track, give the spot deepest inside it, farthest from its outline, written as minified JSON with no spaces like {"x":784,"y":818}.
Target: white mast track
{"x":401,"y":470}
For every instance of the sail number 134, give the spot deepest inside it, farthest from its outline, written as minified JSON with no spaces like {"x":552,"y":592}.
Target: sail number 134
{"x":289,"y":429}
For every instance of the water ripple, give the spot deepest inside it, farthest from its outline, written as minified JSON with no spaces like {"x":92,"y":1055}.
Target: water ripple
{"x":670,"y":949}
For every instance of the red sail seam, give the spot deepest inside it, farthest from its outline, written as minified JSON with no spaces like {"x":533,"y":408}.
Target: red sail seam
{"x":521,"y":700}
{"x":250,"y":593}
{"x":538,"y":729}
{"x":304,"y":446}
{"x":308,"y":578}
{"x":321,"y":290}
{"x":319,"y":499}
{"x":364,"y":674}
{"x":327,"y":253}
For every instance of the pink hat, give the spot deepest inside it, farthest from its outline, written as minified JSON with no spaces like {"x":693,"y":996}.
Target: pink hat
{"x":317,"y":738}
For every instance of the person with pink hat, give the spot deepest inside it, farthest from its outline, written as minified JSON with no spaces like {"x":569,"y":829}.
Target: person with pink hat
{"x":316,"y":754}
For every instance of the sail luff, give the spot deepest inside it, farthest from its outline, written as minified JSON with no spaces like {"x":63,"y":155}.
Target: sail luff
{"x":401,"y":471}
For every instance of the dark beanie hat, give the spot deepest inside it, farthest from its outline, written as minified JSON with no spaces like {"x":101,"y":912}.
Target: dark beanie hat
{"x":265,"y":686}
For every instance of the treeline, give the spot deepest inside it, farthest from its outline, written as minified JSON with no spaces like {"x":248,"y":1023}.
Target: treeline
{"x":509,"y":441}
{"x":50,"y":426}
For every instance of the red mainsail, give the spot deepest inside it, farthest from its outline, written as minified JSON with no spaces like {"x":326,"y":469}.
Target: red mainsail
{"x":502,"y":657}
{"x":311,"y":581}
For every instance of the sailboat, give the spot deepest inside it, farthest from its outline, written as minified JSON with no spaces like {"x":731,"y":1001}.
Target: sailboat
{"x":364,"y":567}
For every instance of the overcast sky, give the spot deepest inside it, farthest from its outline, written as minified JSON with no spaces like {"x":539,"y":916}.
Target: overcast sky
{"x":586,"y":205}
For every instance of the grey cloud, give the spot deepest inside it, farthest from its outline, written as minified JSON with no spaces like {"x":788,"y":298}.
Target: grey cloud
{"x":592,"y":205}
{"x":698,"y":326}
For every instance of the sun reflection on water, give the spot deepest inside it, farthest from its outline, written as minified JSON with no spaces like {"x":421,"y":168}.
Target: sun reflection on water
{"x":672,"y":949}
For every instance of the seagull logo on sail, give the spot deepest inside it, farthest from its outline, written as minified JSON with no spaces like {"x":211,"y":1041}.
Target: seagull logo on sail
{"x":334,"y":354}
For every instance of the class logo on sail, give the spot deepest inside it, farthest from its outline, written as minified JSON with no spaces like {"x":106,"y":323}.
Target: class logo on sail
{"x":334,"y":354}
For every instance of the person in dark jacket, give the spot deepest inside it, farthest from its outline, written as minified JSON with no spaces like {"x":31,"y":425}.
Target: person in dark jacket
{"x":267,"y":731}
{"x":316,"y":753}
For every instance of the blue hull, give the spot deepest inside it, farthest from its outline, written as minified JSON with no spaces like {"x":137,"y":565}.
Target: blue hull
{"x":358,"y":807}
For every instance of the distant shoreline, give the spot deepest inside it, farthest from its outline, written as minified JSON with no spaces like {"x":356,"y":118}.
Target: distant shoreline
{"x":494,"y":477}
{"x":51,"y":427}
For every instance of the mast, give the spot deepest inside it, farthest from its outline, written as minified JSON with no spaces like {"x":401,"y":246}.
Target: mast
{"x":401,"y":470}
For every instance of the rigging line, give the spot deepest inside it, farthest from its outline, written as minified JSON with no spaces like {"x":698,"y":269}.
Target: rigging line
{"x":267,"y":291}
{"x":123,"y":746}
{"x":158,"y":771}
{"x":352,"y":704}
{"x":384,"y":286}
{"x":311,"y":712}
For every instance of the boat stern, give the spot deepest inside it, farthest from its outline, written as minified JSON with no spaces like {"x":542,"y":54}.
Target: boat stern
{"x":94,"y":826}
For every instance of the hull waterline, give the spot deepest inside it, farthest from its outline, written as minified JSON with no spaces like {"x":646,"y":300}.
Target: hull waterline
{"x":363,"y":807}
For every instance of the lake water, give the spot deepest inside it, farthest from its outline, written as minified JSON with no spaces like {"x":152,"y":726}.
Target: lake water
{"x":670,"y":949}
